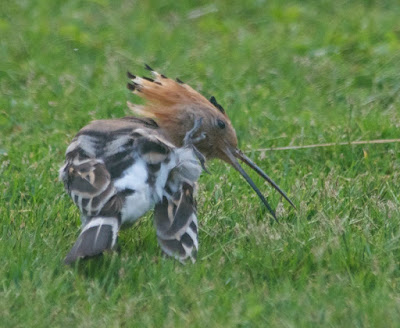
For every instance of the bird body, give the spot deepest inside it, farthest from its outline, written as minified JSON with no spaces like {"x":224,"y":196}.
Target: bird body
{"x":117,"y":170}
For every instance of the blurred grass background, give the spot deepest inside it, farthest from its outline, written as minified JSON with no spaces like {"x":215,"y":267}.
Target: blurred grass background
{"x":288,"y":73}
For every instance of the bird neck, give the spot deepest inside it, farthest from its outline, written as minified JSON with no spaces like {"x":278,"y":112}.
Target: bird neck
{"x":173,"y":131}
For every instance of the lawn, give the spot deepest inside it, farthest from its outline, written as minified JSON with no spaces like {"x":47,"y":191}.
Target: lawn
{"x":289,"y":73}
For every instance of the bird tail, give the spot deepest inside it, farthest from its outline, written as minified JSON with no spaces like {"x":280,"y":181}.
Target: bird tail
{"x":98,"y":235}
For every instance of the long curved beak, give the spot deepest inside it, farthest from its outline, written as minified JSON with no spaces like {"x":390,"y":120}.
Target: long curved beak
{"x":236,"y":153}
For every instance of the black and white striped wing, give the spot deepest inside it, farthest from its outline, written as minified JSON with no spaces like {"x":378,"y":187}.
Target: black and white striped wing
{"x":100,"y":154}
{"x":89,"y":184}
{"x":176,"y":224}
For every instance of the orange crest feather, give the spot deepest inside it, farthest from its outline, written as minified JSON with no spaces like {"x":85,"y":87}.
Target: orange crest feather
{"x":165,"y":97}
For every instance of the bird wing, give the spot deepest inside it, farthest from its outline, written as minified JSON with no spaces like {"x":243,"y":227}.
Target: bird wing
{"x":176,"y":224}
{"x":89,"y":184}
{"x":100,"y":153}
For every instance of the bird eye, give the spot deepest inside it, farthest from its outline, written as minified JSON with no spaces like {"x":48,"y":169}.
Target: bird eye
{"x":221,"y":124}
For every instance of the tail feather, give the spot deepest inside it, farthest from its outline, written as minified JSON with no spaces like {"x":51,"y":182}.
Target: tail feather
{"x":98,"y":235}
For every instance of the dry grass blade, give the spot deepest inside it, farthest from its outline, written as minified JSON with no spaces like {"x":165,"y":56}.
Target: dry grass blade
{"x":330,"y":144}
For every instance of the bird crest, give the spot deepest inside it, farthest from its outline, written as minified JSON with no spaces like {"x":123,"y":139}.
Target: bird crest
{"x":167,"y":98}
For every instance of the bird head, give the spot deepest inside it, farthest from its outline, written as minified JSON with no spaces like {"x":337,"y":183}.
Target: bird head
{"x":175,"y":106}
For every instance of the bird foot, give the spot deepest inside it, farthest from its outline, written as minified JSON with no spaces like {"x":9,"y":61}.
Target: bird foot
{"x":190,"y":140}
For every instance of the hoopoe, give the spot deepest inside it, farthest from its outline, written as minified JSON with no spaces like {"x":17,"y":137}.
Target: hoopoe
{"x":117,"y":170}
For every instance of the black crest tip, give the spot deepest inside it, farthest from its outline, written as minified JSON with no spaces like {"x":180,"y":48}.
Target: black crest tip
{"x":130,"y":75}
{"x":148,"y":68}
{"x":179,"y":81}
{"x":147,"y":78}
{"x":215,"y":103}
{"x":131,"y":86}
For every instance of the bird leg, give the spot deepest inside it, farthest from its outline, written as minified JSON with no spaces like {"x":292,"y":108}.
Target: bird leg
{"x":190,"y":140}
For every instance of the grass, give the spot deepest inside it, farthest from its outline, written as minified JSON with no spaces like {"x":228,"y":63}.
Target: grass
{"x":288,"y":73}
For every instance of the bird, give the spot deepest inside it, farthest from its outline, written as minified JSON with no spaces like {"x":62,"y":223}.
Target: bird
{"x":116,"y":170}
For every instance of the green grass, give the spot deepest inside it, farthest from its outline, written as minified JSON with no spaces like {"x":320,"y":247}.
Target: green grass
{"x":288,"y":73}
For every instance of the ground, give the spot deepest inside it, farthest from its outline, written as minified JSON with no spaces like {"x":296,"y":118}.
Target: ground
{"x":287,"y":73}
